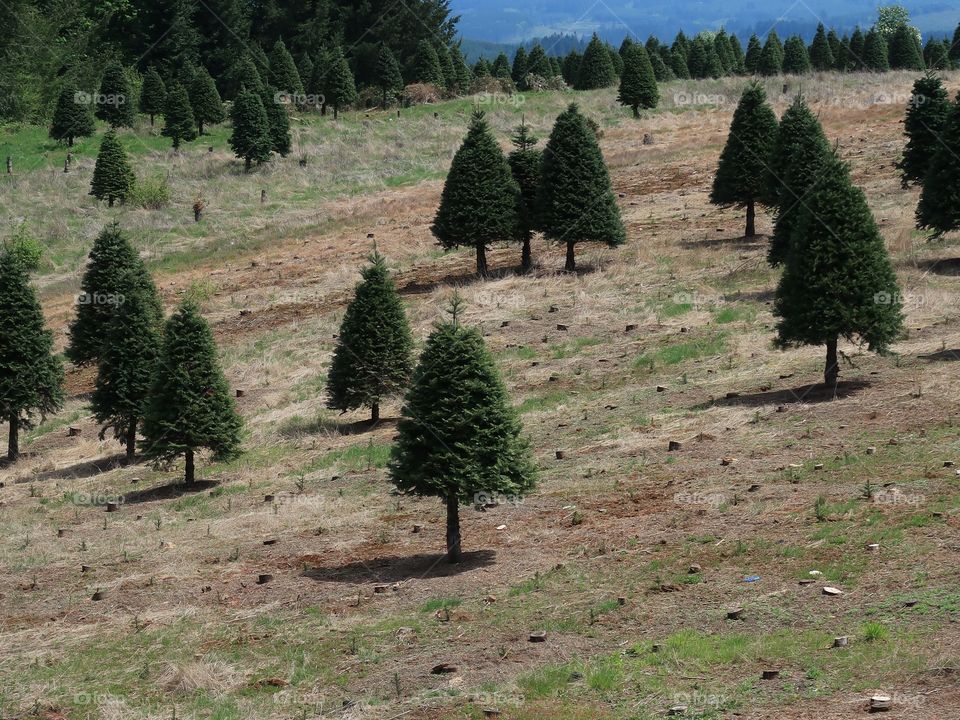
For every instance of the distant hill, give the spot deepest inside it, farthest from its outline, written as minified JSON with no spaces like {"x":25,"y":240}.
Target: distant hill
{"x":554,"y":45}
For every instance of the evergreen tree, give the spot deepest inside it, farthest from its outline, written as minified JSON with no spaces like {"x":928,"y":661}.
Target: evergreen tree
{"x":71,"y":118}
{"x":697,"y":60}
{"x":742,"y":172}
{"x":615,"y":60}
{"x":479,"y":201}
{"x":341,"y":89}
{"x":796,"y":160}
{"x":153,"y":95}
{"x":501,"y":67}
{"x":575,"y":198}
{"x":939,"y":207}
{"x":845,"y":61}
{"x":935,"y":54}
{"x":460,"y":438}
{"x":721,"y":46}
{"x":875,"y":53}
{"x":751,"y":60}
{"x":205,"y":100}
{"x":427,"y":65}
{"x":771,"y":57}
{"x":115,"y":102}
{"x":739,"y":60}
{"x":858,"y":50}
{"x":525,"y":165}
{"x":833,"y":41}
{"x":518,"y":70}
{"x":905,"y":52}
{"x":625,"y":45}
{"x":179,"y":123}
{"x":821,"y":54}
{"x":243,"y":74}
{"x":31,"y":376}
{"x":538,"y":63}
{"x":250,"y":139}
{"x":189,"y":406}
{"x":796,"y":61}
{"x":555,"y":67}
{"x":127,"y":364}
{"x":482,"y":69}
{"x":114,"y":269}
{"x":596,"y":68}
{"x":838,"y":281}
{"x":283,"y":71}
{"x":638,"y":84}
{"x":954,"y":52}
{"x":678,"y":64}
{"x":278,"y":122}
{"x":373,"y":359}
{"x":926,"y":117}
{"x":681,"y":44}
{"x":389,"y":78}
{"x":305,"y":70}
{"x":446,"y":66}
{"x":571,"y":67}
{"x":661,"y":72}
{"x":112,"y":176}
{"x":463,"y":76}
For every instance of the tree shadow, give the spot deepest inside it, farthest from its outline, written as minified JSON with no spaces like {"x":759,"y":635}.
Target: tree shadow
{"x":741,"y":243}
{"x":805,"y":394}
{"x":167,"y":492}
{"x":945,"y":355}
{"x":297,"y":427}
{"x":942,"y":266}
{"x":458,"y":277}
{"x":397,"y":569}
{"x":82,"y":470}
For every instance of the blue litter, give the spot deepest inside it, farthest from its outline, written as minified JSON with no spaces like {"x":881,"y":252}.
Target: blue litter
{"x":751,"y":578}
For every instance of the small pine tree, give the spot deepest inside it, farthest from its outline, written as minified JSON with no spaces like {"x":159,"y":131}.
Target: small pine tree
{"x":482,"y":69}
{"x":479,"y":201}
{"x":771,"y":58}
{"x":114,"y":104}
{"x":72,"y":117}
{"x":459,"y":438}
{"x":939,"y":207}
{"x":373,"y":359}
{"x":575,"y":197}
{"x":638,"y":84}
{"x":858,"y":47}
{"x":205,"y":101}
{"x":283,"y":70}
{"x":838,"y":281}
{"x":190,"y":407}
{"x":904,"y":51}
{"x":751,"y":60}
{"x":821,"y":54}
{"x":153,"y":95}
{"x":518,"y":70}
{"x":926,"y":116}
{"x":661,"y":72}
{"x":875,"y":52}
{"x":796,"y":61}
{"x":278,"y":122}
{"x":525,"y":165}
{"x":596,"y":68}
{"x":463,"y":76}
{"x":341,"y":89}
{"x":112,"y":176}
{"x":250,"y":139}
{"x":112,"y":267}
{"x":31,"y":376}
{"x":427,"y":68}
{"x":742,"y":174}
{"x":501,"y":67}
{"x":446,"y":66}
{"x":179,"y":123}
{"x":389,"y":78}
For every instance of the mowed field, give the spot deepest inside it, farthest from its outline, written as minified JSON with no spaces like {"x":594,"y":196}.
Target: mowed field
{"x":628,"y":556}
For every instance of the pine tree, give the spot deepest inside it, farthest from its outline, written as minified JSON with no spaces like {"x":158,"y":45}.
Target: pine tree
{"x":739,"y":60}
{"x":459,"y":439}
{"x":638,"y":84}
{"x":935,"y":54}
{"x":751,"y":60}
{"x":596,"y":68}
{"x":858,"y":50}
{"x":189,"y":406}
{"x":114,"y":104}
{"x":373,"y":359}
{"x":464,"y":78}
{"x":798,"y":156}
{"x":771,"y":58}
{"x":875,"y":53}
{"x":389,"y":78}
{"x":518,"y":70}
{"x":250,"y":139}
{"x":112,"y":176}
{"x":575,"y":198}
{"x":661,"y":72}
{"x":153,"y":95}
{"x":179,"y":123}
{"x":954,"y":53}
{"x":113,"y":265}
{"x":697,"y":60}
{"x":283,"y":71}
{"x":538,"y":63}
{"x":721,"y":45}
{"x":31,"y":376}
{"x":615,"y":60}
{"x":446,"y":66}
{"x":479,"y":201}
{"x":838,"y":281}
{"x":571,"y":67}
{"x":501,"y":67}
{"x":305,"y":70}
{"x":821,"y":54}
{"x":205,"y":101}
{"x":243,"y":74}
{"x":72,"y":117}
{"x":525,"y":165}
{"x":341,"y":89}
{"x":905,"y":52}
{"x":127,"y":364}
{"x":482,"y":69}
{"x":833,"y":40}
{"x":427,"y":68}
{"x":939,"y":207}
{"x":278,"y":122}
{"x":742,"y":174}
{"x":926,"y":117}
{"x":796,"y":61}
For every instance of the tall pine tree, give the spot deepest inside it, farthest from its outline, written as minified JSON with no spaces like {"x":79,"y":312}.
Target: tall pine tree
{"x":389,"y":78}
{"x":821,"y":54}
{"x":283,"y":70}
{"x":926,"y":116}
{"x":278,"y":122}
{"x":596,"y":68}
{"x":153,"y":95}
{"x":638,"y":84}
{"x":115,"y":101}
{"x":72,"y":117}
{"x":939,"y":207}
{"x":250,"y":139}
{"x":205,"y":100}
{"x":525,"y":165}
{"x":178,"y":122}
{"x":341,"y":89}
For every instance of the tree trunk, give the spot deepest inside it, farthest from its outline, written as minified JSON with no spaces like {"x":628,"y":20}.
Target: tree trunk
{"x":110,"y":201}
{"x":375,"y":413}
{"x":131,"y":438}
{"x":70,"y":141}
{"x":832,"y":369}
{"x":336,"y":112}
{"x":200,"y":127}
{"x":454,"y":553}
{"x":188,"y":476}
{"x":751,"y":219}
{"x":571,"y":265}
{"x":13,"y":448}
{"x":526,"y":261}
{"x":151,"y":119}
{"x":384,"y":98}
{"x":246,"y":164}
{"x":482,"y":260}
{"x":636,"y":111}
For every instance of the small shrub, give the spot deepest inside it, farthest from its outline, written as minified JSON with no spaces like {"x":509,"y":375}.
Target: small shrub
{"x":150,"y":194}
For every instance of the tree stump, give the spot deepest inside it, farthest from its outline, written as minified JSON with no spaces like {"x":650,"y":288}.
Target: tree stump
{"x":841,"y":642}
{"x":241,"y":393}
{"x":735,"y":614}
{"x":880,"y":703}
{"x":560,"y":454}
{"x":263,"y":196}
{"x":268,"y":498}
{"x":769,"y":674}
{"x":73,"y":431}
{"x":9,"y":165}
{"x":112,"y":507}
{"x":673,"y":446}
{"x":264,"y":578}
{"x":538,"y":637}
{"x":99,"y":595}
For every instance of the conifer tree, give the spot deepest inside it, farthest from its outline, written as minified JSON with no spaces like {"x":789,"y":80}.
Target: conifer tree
{"x":501,"y":67}
{"x":463,"y":76}
{"x":796,"y":61}
{"x":721,"y":46}
{"x":538,"y":63}
{"x":459,"y":439}
{"x":661,"y":72}
{"x":697,"y":62}
{"x":243,"y":74}
{"x":904,"y":50}
{"x":250,"y":139}
{"x":31,"y":376}
{"x":305,"y":70}
{"x":178,"y":120}
{"x":482,"y":69}
{"x":373,"y":359}
{"x":596,"y":68}
{"x":278,"y":122}
{"x":926,"y":116}
{"x":935,"y":54}
{"x":638,"y":84}
{"x":205,"y":101}
{"x":821,"y":54}
{"x":833,"y":40}
{"x":115,"y":102}
{"x":954,"y":53}
{"x":153,"y":95}
{"x":427,"y":67}
{"x":742,"y":172}
{"x":128,"y":361}
{"x":858,"y":50}
{"x":615,"y":60}
{"x":283,"y":71}
{"x":751,"y":60}
{"x":389,"y":78}
{"x":845,"y":60}
{"x":525,"y":165}
{"x":875,"y":52}
{"x":479,"y":201}
{"x":625,"y":45}
{"x":446,"y":66}
{"x":113,"y":267}
{"x":939,"y":207}
{"x":71,"y":118}
{"x":771,"y":57}
{"x":518,"y":70}
{"x":739,"y":60}
{"x":341,"y":89}
{"x":112,"y":176}
{"x":575,"y":199}
{"x":189,"y":406}
{"x":838,"y":281}
{"x":571,"y":67}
